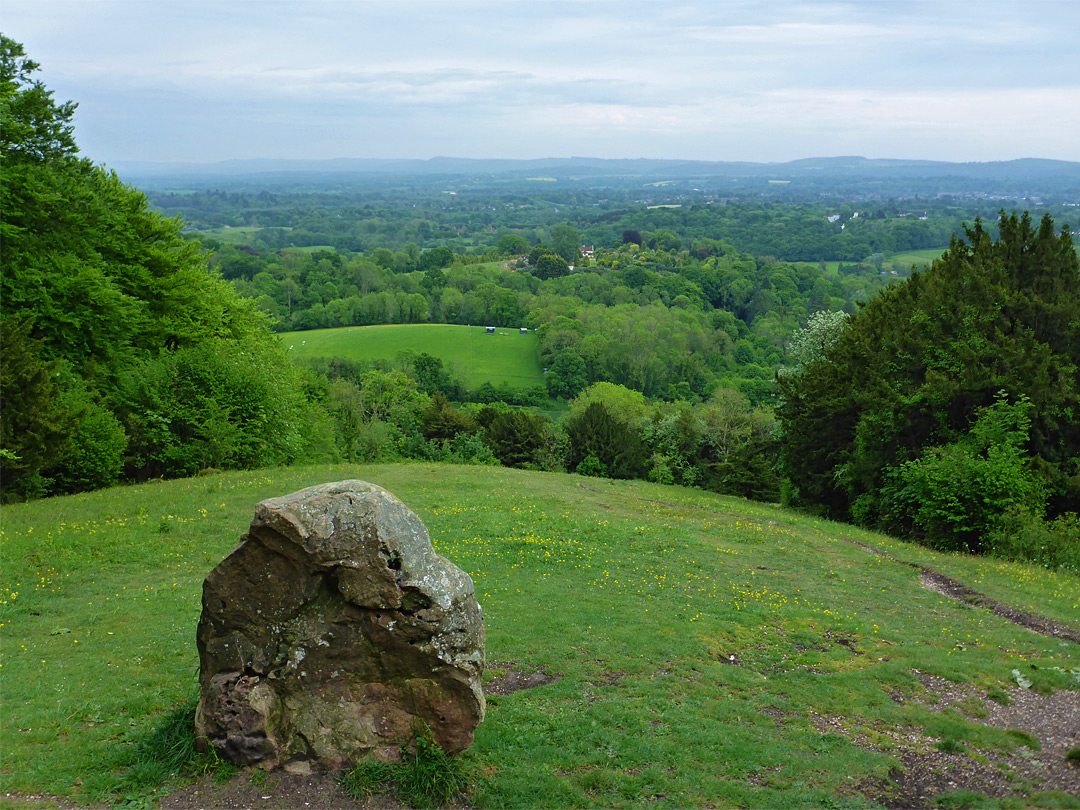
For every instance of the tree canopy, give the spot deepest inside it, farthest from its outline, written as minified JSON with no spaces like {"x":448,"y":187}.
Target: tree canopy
{"x":111,"y":320}
{"x":35,"y":127}
{"x":991,"y":321}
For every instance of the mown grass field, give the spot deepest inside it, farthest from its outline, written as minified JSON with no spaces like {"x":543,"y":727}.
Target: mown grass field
{"x":474,"y":356}
{"x":915,"y":259}
{"x":707,"y":651}
{"x":240,"y":235}
{"x":901,"y":262}
{"x":245,"y":234}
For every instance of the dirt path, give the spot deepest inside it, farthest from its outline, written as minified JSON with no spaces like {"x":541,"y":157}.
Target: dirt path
{"x":928,"y":578}
{"x":954,"y":589}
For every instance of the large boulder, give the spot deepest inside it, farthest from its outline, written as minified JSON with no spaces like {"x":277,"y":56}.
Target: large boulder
{"x":334,"y":632}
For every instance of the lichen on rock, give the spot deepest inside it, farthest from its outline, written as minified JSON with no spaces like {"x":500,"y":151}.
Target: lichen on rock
{"x":333,"y":632}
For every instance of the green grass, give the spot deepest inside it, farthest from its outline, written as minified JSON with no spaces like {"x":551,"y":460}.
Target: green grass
{"x":310,"y":249}
{"x":238,"y":235}
{"x":697,"y":640}
{"x":901,"y":262}
{"x":506,"y":357}
{"x":245,"y":234}
{"x":914,"y":259}
{"x":426,"y":777}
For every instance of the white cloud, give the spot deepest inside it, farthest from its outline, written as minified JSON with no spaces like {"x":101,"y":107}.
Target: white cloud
{"x":791,"y":78}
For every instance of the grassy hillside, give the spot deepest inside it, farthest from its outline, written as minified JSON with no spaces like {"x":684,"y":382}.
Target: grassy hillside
{"x":506,"y":357}
{"x":701,"y":650}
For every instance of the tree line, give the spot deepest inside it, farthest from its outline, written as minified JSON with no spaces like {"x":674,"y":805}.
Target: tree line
{"x":808,"y":226}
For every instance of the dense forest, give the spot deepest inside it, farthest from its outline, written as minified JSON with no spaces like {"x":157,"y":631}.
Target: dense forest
{"x":765,"y":343}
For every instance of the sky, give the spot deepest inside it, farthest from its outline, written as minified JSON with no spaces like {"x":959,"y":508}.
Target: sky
{"x":204,"y":81}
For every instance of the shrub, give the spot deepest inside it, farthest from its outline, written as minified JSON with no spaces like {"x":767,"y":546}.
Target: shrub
{"x":591,"y":465}
{"x":1022,"y":536}
{"x":516,"y":437}
{"x":94,"y":453}
{"x":226,"y":404}
{"x":443,"y":421}
{"x":470,"y":448}
{"x":660,"y":471}
{"x":377,"y":441}
{"x":960,"y":491}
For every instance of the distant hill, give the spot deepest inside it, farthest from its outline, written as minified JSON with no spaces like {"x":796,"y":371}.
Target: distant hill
{"x":578,"y":166}
{"x":850,"y":177}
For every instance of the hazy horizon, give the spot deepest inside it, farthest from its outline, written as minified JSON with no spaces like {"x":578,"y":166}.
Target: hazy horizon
{"x":199,"y":82}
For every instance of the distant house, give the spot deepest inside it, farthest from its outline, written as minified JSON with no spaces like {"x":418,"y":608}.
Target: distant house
{"x":490,"y":330}
{"x":834,"y":218}
{"x":587,"y":252}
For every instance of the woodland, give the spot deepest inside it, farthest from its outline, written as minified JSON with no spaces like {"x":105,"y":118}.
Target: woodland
{"x":766,"y":343}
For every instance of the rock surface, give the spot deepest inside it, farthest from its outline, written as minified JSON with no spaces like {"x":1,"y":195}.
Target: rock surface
{"x":333,"y":631}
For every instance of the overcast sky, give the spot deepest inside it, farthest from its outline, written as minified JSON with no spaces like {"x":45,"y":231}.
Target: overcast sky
{"x":195,"y":80}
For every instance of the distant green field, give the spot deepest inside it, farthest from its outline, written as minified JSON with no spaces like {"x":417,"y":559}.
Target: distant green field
{"x":231,"y":236}
{"x":506,"y":357}
{"x":916,"y":258}
{"x":311,"y":248}
{"x":901,"y":262}
{"x":245,"y":234}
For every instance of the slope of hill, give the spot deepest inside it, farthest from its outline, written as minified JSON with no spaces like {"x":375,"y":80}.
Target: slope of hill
{"x":679,"y":648}
{"x":505,"y":357}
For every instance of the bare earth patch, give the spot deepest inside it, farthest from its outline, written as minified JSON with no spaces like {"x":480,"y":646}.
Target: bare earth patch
{"x":514,"y":680}
{"x":947,"y":586}
{"x":953,"y":589}
{"x":926,"y":771}
{"x":279,"y":791}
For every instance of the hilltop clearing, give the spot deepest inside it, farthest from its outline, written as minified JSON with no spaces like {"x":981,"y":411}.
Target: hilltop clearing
{"x":646,"y":645}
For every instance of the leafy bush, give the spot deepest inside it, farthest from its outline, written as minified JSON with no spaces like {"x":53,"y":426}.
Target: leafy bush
{"x":377,"y":441}
{"x":222,"y":404}
{"x":959,"y":492}
{"x":93,"y":456}
{"x":592,"y":466}
{"x":516,"y":437}
{"x":470,"y":448}
{"x":1022,"y":536}
{"x":443,"y":421}
{"x":659,"y":470}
